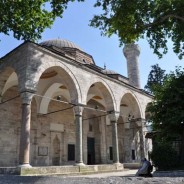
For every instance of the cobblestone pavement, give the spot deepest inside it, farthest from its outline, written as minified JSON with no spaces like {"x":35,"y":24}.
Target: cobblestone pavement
{"x":105,"y":178}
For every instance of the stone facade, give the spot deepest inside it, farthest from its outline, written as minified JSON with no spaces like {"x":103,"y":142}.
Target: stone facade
{"x":55,"y":110}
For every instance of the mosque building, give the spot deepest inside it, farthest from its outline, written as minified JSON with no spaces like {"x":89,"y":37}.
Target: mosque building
{"x":57,"y":108}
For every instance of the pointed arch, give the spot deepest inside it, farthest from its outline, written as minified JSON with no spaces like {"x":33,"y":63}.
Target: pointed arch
{"x":54,"y":89}
{"x":100,"y":89}
{"x":8,"y":78}
{"x":65,"y":75}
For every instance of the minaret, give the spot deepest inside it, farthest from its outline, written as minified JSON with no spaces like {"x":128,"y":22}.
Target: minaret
{"x":132,"y":52}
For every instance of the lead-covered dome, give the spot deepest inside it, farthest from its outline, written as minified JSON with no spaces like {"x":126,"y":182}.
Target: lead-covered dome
{"x":60,"y":43}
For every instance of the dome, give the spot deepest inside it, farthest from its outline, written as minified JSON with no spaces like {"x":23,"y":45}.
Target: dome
{"x":60,"y":43}
{"x":109,"y":71}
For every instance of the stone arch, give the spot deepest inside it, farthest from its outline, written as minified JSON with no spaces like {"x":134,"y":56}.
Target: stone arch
{"x":8,"y":78}
{"x":73,"y":85}
{"x":129,"y":128}
{"x":50,"y":82}
{"x":99,"y":98}
{"x":130,"y":106}
{"x":53,"y":89}
{"x":133,"y":100}
{"x":104,"y":90}
{"x":12,"y":81}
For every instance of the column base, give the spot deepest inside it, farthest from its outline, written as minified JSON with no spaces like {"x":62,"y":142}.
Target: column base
{"x":24,"y":166}
{"x":118,"y":165}
{"x":80,"y":164}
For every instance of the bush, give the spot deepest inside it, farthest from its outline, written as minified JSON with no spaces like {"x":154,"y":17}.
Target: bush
{"x":164,"y":157}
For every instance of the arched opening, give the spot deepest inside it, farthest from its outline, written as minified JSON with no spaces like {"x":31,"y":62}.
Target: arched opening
{"x":8,"y":78}
{"x":129,"y":129}
{"x":95,"y":130}
{"x":55,"y":94}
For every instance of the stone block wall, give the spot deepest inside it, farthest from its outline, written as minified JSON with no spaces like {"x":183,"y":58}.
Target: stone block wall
{"x":10,"y":118}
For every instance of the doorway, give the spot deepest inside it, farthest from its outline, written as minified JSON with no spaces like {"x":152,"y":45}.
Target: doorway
{"x":91,"y":150}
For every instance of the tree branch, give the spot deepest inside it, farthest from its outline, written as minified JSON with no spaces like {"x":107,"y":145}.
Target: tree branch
{"x":162,"y":19}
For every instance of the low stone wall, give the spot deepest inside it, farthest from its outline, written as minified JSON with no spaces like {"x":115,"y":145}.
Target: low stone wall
{"x":62,"y":170}
{"x":131,"y":165}
{"x":169,"y":173}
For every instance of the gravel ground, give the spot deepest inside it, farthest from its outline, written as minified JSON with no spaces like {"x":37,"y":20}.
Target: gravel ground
{"x":10,"y":179}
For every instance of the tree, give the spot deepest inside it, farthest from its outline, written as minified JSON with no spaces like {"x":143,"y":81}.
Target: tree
{"x":28,"y":19}
{"x":164,"y":156}
{"x":157,"y":20}
{"x":167,"y":110}
{"x":155,"y":78}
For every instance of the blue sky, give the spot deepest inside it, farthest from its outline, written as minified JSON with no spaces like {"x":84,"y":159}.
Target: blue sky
{"x":74,"y":27}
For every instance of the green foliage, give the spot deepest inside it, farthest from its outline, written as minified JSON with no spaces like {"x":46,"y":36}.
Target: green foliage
{"x":27,"y":18}
{"x":158,"y":20}
{"x":155,"y":79}
{"x":167,"y":109}
{"x":164,"y":156}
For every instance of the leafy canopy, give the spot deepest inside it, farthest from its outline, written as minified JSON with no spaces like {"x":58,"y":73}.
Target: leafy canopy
{"x":157,"y":20}
{"x":27,"y":19}
{"x":155,"y":78}
{"x":167,"y":109}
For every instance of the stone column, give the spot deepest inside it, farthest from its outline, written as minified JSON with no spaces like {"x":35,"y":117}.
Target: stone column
{"x":114,"y":118}
{"x":132,"y":52}
{"x":24,"y":153}
{"x":78,"y":123}
{"x":140,"y":124}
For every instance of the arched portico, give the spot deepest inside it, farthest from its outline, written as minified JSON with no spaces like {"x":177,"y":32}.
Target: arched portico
{"x":130,"y":129}
{"x":57,"y":72}
{"x":66,"y":109}
{"x":57,"y":95}
{"x":97,"y":129}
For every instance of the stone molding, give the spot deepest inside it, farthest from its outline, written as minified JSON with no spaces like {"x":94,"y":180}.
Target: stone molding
{"x":78,"y":110}
{"x":26,"y":97}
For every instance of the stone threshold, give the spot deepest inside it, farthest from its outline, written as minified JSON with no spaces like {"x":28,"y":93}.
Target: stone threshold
{"x":61,"y":170}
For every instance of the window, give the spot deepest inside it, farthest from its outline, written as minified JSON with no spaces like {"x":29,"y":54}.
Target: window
{"x":71,"y":152}
{"x":133,"y":154}
{"x":90,"y":126}
{"x":111,"y":153}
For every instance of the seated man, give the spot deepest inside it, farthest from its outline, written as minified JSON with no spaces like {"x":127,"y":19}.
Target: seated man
{"x":146,"y":169}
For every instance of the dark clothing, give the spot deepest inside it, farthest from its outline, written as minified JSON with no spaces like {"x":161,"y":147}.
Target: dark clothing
{"x":145,"y":170}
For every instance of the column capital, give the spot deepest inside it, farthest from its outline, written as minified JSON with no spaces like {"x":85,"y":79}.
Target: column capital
{"x":113,"y":116}
{"x":78,"y":110}
{"x":26,"y":97}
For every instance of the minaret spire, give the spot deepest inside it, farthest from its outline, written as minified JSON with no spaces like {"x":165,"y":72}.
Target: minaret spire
{"x":132,"y":52}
